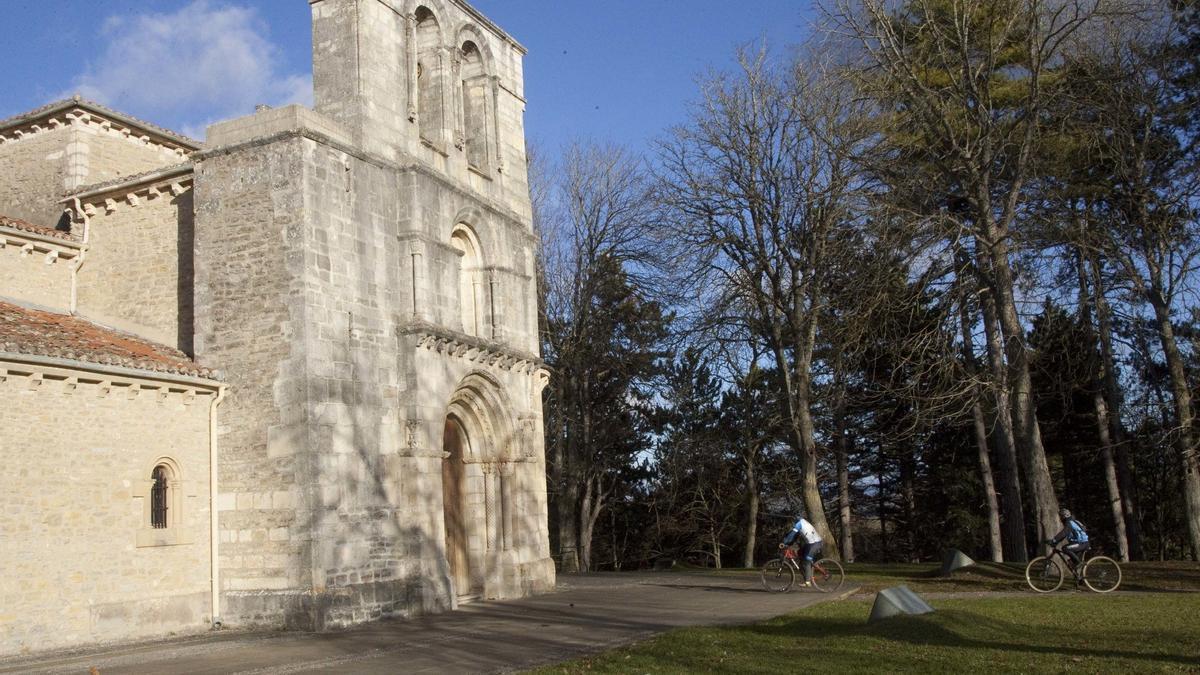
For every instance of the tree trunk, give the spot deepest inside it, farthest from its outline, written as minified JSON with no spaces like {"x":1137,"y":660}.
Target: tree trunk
{"x":1101,"y":408}
{"x":568,"y":528}
{"x":566,"y":487}
{"x":1112,"y":393}
{"x":843,"y":469}
{"x":995,"y":544}
{"x":881,"y":505}
{"x":752,"y":500}
{"x":1025,"y":420}
{"x":1013,"y":509}
{"x":592,"y":505}
{"x":797,"y":388}
{"x":806,"y":335}
{"x":1183,"y":413}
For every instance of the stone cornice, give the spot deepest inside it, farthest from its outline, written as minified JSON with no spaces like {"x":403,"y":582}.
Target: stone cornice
{"x":80,"y":111}
{"x":64,"y":248}
{"x":40,"y":368}
{"x":483,"y":352}
{"x":132,"y":190}
{"x":51,"y":249}
{"x":470,"y":11}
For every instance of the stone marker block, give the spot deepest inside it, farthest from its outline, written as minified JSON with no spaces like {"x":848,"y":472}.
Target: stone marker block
{"x":955,"y":559}
{"x":896,"y":602}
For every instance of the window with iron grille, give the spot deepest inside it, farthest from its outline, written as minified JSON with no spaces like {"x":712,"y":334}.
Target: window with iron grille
{"x":158,"y":497}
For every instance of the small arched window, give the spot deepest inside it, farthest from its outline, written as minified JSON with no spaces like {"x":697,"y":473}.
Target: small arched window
{"x":429,"y":76}
{"x":160,"y":496}
{"x":470,"y":290}
{"x":475,"y":112}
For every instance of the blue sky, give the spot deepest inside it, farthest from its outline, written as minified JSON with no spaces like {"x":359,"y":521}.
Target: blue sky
{"x":613,"y":70}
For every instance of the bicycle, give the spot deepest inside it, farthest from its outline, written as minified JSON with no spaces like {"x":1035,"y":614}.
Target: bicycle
{"x":1045,"y":573}
{"x":779,"y":574}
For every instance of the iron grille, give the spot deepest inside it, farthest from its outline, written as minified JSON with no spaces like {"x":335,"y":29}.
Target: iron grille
{"x":158,"y":498}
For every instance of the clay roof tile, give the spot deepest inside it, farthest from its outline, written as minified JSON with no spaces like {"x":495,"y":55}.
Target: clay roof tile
{"x":18,"y":224}
{"x":29,"y":331}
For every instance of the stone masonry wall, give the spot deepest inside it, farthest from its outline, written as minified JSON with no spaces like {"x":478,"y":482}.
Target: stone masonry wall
{"x":36,"y":272}
{"x":376,"y":538}
{"x":138,"y":272}
{"x":33,"y":175}
{"x":39,"y":167}
{"x":80,"y":454}
{"x":250,"y":324}
{"x":111,"y":154}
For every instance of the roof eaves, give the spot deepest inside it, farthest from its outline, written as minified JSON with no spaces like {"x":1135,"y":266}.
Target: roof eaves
{"x":104,"y":111}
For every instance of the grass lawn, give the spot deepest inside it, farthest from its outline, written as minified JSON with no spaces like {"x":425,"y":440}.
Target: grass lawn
{"x":1082,"y":632}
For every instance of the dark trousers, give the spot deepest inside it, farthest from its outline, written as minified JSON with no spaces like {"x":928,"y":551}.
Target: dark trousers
{"x":1075,"y":551}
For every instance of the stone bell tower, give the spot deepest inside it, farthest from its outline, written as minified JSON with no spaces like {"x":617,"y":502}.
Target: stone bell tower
{"x":365,"y":279}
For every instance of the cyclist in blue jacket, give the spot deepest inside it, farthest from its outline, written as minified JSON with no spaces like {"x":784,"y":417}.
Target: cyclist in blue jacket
{"x":812,"y":545}
{"x":1075,"y":534}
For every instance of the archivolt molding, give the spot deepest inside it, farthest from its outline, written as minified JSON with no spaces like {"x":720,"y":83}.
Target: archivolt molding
{"x":481,"y":407}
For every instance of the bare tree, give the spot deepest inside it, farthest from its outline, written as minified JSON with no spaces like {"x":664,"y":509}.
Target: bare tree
{"x":592,"y":218}
{"x":760,"y":188}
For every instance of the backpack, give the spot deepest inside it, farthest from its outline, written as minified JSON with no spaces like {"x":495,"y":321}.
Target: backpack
{"x":1076,"y":532}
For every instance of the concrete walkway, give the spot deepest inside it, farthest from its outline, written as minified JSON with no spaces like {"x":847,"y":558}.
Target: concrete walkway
{"x":586,"y":614}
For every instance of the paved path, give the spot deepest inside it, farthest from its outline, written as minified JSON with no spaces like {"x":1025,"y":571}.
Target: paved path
{"x":586,"y":614}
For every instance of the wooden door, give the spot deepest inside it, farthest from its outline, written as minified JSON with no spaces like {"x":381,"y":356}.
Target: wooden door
{"x":453,"y":505}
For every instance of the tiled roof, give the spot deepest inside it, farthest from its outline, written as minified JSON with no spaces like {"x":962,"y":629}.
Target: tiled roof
{"x":38,"y":333}
{"x":18,"y":224}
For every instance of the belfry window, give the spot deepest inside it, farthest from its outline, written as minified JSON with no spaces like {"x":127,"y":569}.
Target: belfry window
{"x":429,"y":76}
{"x":475,"y":108}
{"x":159,"y":497}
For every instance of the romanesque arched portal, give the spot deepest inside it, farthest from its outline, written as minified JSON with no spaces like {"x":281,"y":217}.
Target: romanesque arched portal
{"x":477,"y":486}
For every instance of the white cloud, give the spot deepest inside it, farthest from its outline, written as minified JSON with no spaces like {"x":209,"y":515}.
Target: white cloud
{"x":205,"y":62}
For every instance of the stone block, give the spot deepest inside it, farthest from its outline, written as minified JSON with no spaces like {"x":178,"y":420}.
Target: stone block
{"x":953,"y":560}
{"x":897,"y":601}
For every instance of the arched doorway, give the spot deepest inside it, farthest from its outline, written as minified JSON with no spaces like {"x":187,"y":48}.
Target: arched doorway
{"x":478,"y":489}
{"x":454,"y":506}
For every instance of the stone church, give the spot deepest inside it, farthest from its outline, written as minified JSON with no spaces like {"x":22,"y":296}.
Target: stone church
{"x":286,"y":377}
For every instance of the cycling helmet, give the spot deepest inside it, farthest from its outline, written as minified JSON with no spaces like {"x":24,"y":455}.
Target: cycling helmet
{"x":1064,"y":513}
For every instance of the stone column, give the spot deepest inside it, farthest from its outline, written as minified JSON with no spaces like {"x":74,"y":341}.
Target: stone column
{"x":410,"y":50}
{"x":456,"y":114}
{"x":495,"y":316}
{"x":506,"y":505}
{"x":498,"y":147}
{"x":419,"y":282}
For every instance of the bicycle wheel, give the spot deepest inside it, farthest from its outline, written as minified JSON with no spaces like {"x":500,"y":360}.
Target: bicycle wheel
{"x":828,"y":575}
{"x":1102,"y":574}
{"x":1044,"y":574}
{"x":777,"y":575}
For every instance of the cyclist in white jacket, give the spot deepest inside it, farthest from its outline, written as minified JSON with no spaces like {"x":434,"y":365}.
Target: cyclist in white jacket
{"x":812,"y":545}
